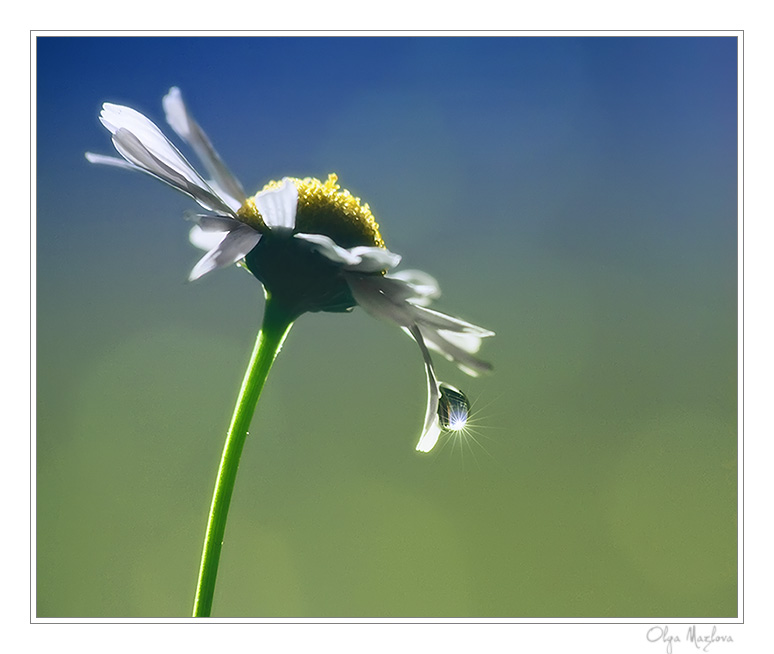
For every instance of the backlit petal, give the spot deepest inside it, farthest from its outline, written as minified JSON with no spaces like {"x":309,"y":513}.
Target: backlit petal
{"x":278,"y":206}
{"x":236,"y":244}
{"x":143,"y":144}
{"x":181,"y":120}
{"x":423,"y":287}
{"x":361,"y":259}
{"x":432,"y":427}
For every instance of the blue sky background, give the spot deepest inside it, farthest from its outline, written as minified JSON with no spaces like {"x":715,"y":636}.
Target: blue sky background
{"x":576,"y":195}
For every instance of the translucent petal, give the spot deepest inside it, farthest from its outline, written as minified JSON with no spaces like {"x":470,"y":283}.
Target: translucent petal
{"x":110,"y":161}
{"x":430,"y":435}
{"x":117,"y":117}
{"x":181,"y":120}
{"x":226,"y":197}
{"x":443,"y":321}
{"x":373,"y":259}
{"x":143,"y":144}
{"x":392,"y":299}
{"x":361,"y":259}
{"x":457,"y":348}
{"x":205,"y":240}
{"x":423,"y":287}
{"x":231,"y":249}
{"x":211,"y":223}
{"x":134,"y":151}
{"x":389,"y":299}
{"x":383,"y":298}
{"x":432,"y":428}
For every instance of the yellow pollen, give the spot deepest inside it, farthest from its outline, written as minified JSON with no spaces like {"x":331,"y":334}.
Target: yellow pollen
{"x":323,"y":208}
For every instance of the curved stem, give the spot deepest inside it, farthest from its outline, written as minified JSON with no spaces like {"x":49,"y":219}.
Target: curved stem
{"x":275,"y":327}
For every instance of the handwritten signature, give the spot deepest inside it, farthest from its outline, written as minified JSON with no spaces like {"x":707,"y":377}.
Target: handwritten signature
{"x":701,"y":640}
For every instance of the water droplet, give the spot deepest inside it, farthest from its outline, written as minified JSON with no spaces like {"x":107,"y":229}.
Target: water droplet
{"x":453,"y":408}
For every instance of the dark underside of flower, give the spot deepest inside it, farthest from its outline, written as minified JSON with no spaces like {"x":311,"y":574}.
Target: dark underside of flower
{"x":298,"y":278}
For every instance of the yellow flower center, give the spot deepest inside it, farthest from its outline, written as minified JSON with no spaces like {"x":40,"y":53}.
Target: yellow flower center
{"x":323,"y":208}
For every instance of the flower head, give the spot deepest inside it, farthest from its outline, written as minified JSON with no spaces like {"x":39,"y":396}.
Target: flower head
{"x":313,"y":246}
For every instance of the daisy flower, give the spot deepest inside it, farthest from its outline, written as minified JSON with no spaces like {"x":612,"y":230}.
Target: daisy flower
{"x":313,"y":246}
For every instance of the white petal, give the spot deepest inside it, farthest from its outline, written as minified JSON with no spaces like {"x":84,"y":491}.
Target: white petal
{"x":373,"y":259}
{"x":134,"y":150}
{"x":328,"y":248}
{"x":457,"y":348}
{"x":430,"y":435}
{"x":443,"y":321}
{"x":278,"y":206}
{"x":142,"y":144}
{"x":117,"y":117}
{"x":188,"y":129}
{"x":386,"y":298}
{"x":110,"y":161}
{"x":231,"y":249}
{"x":423,"y":287}
{"x":382,"y":298}
{"x":432,"y":428}
{"x":210,"y":230}
{"x":214,"y":223}
{"x":229,"y":199}
{"x":361,"y":259}
{"x":205,"y":240}
{"x":467,"y":342}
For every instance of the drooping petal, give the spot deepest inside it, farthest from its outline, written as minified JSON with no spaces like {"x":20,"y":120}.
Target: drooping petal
{"x":236,"y":244}
{"x":278,"y":206}
{"x":361,"y":259}
{"x":181,"y":120}
{"x":143,"y":144}
{"x":432,"y":427}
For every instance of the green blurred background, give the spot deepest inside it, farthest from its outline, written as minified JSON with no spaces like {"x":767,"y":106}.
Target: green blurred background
{"x":576,"y":195}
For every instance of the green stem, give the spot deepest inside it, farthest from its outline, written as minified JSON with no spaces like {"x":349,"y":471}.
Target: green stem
{"x":276,"y":324}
